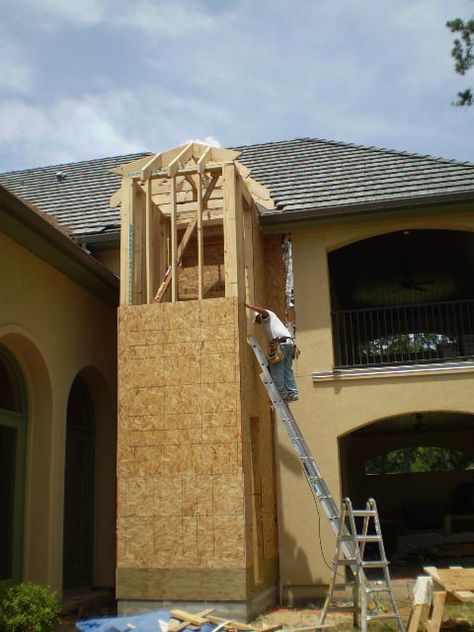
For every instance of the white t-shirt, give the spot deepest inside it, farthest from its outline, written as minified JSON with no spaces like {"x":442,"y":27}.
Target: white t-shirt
{"x":273,"y":327}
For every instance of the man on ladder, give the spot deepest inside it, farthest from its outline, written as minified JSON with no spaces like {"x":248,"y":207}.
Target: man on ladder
{"x":351,"y":542}
{"x":282,"y":350}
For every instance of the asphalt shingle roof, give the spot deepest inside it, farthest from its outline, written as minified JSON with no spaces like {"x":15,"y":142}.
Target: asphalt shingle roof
{"x":318,"y":176}
{"x":305,"y":176}
{"x":80,"y":201}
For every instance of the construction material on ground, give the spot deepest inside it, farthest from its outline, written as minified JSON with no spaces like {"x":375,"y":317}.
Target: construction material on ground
{"x":457,"y":581}
{"x":200,"y":619}
{"x":350,"y":543}
{"x":173,"y":621}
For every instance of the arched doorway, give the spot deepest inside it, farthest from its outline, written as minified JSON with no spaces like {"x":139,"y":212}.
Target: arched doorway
{"x":12,"y":466}
{"x":79,"y":488}
{"x":419,"y":467}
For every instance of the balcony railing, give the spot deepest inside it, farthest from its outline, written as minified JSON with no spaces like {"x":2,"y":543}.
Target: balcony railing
{"x":404,"y":334}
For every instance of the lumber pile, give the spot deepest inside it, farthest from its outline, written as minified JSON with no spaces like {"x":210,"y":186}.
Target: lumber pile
{"x":182,"y":619}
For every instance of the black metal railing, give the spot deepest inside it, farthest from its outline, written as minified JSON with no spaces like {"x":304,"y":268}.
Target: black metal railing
{"x":404,"y":334}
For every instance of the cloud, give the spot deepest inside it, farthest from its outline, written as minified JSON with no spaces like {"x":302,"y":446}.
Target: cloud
{"x":113,"y":123}
{"x":153,"y":16}
{"x":173,"y":19}
{"x":78,"y":11}
{"x":15,"y":73}
{"x":95,"y":77}
{"x":70,"y":130}
{"x":208,"y":140}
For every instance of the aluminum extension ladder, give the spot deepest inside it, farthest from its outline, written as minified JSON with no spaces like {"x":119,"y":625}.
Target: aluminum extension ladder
{"x":349,"y":543}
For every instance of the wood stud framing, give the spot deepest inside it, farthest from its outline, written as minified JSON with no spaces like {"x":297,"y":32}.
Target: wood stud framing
{"x":149,"y":243}
{"x":200,"y":237}
{"x":194,"y":186}
{"x":174,"y":242}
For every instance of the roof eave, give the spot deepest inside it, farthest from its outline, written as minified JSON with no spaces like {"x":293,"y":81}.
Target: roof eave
{"x":23,"y":224}
{"x":271,"y":218}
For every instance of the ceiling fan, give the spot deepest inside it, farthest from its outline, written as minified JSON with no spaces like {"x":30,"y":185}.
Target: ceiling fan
{"x":411,"y":284}
{"x":408,"y":281}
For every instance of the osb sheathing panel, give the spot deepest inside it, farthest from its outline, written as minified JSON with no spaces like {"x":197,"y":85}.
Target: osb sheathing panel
{"x":180,"y":476}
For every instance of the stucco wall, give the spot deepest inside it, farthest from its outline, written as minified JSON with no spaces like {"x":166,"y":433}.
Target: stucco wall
{"x":328,"y":410}
{"x":56,"y":329}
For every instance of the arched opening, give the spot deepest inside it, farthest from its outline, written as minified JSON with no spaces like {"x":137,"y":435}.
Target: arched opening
{"x":12,"y":466}
{"x":402,"y":298}
{"x":79,"y":488}
{"x":419,"y":467}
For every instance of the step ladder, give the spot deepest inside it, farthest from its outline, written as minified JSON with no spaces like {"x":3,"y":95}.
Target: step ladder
{"x":348,"y":544}
{"x":369,"y":568}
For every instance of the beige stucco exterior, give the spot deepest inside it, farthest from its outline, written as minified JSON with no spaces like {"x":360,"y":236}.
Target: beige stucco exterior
{"x":56,"y":330}
{"x":331,"y":408}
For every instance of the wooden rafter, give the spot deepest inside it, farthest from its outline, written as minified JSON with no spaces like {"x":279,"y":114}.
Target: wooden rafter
{"x":203,"y":160}
{"x":181,"y":159}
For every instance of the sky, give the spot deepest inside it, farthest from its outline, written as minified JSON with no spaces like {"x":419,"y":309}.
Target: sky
{"x":83,"y":79}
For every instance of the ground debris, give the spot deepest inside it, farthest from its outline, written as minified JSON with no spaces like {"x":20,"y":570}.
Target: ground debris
{"x":181,"y":619}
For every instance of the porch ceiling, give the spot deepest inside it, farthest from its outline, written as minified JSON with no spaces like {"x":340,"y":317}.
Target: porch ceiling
{"x":406,"y":267}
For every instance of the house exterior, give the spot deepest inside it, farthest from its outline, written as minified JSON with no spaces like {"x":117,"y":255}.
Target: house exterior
{"x":57,"y":404}
{"x":212,"y":505}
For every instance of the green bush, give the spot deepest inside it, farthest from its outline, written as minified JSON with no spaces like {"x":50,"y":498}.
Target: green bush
{"x":28,"y":608}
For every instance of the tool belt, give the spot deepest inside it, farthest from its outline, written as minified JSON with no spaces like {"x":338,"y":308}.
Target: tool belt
{"x":275,"y":354}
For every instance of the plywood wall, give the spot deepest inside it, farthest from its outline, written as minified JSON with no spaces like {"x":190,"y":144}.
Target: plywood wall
{"x":184,"y":505}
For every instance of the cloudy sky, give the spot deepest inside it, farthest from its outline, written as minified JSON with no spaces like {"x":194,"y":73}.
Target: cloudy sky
{"x":83,"y":79}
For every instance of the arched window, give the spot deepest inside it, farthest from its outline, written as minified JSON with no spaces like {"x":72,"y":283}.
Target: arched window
{"x":79,"y":488}
{"x":419,"y":459}
{"x":12,"y":465}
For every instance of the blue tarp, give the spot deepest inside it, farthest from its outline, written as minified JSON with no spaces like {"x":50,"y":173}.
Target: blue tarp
{"x":146,"y":622}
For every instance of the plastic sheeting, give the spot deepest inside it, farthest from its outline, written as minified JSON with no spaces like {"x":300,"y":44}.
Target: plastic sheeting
{"x":287,"y":254}
{"x":146,"y":622}
{"x":156,"y":621}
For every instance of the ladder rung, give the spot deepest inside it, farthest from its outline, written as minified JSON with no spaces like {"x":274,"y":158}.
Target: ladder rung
{"x":363,"y":513}
{"x":369,"y":538}
{"x":386,"y":615}
{"x":362,"y":538}
{"x":371,"y":589}
{"x":375,"y":564}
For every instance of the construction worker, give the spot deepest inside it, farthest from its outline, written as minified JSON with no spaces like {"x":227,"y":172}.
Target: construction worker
{"x":282,"y":352}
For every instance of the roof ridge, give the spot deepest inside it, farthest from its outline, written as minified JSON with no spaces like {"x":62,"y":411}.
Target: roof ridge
{"x":397,"y":152}
{"x":298,"y":139}
{"x":270,"y":143}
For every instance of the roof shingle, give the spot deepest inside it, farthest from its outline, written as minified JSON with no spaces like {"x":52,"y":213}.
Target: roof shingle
{"x":305,"y":176}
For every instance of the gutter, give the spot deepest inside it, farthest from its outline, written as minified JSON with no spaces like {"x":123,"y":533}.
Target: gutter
{"x":316,"y":213}
{"x":26,"y":226}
